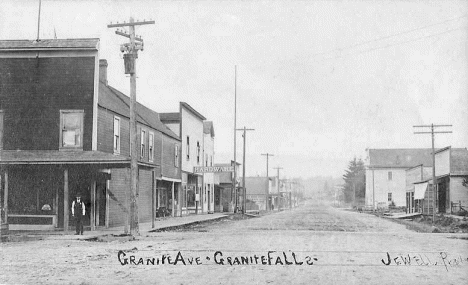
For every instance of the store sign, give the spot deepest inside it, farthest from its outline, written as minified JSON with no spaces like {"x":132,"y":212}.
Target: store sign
{"x":212,"y":169}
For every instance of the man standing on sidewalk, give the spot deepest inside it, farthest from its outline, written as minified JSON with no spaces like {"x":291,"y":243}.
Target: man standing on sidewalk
{"x":78,"y":211}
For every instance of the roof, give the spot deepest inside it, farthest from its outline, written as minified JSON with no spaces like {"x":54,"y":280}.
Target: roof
{"x":192,"y":110}
{"x":399,"y":158}
{"x":114,"y":100}
{"x":459,"y":161}
{"x":208,"y":128}
{"x":50,"y":44}
{"x":60,"y":157}
{"x":256,"y":185}
{"x":169,"y":117}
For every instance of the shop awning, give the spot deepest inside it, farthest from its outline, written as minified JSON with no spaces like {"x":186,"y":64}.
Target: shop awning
{"x":420,"y":190}
{"x":22,"y":157}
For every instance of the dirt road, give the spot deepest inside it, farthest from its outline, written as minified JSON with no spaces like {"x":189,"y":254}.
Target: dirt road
{"x":312,"y":244}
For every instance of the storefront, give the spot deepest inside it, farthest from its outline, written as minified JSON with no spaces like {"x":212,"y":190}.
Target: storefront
{"x":38,"y":188}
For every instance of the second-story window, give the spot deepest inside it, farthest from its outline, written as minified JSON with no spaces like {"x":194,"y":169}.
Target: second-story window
{"x":211,"y":160}
{"x":1,"y":129}
{"x":71,"y":129}
{"x":206,"y":159}
{"x":116,"y":135}
{"x":176,"y":155}
{"x":142,"y":143}
{"x":151,"y":146}
{"x":188,"y":147}
{"x":390,"y":175}
{"x":198,"y":152}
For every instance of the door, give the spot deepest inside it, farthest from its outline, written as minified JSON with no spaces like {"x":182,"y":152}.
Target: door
{"x":101,"y":203}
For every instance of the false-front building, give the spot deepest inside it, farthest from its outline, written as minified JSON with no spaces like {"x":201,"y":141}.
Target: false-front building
{"x":64,"y":131}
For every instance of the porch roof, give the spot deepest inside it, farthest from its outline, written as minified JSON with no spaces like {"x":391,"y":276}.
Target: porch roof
{"x":13,"y":157}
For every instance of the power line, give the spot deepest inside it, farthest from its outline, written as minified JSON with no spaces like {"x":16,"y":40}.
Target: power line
{"x":390,"y":36}
{"x":390,"y":45}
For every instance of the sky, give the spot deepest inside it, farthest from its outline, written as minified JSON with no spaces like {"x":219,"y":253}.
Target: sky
{"x":319,"y":81}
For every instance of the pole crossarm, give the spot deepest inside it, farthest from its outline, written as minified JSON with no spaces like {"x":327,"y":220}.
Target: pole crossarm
{"x":430,"y":126}
{"x":124,"y":34}
{"x":445,"y":132}
{"x":125,"y":24}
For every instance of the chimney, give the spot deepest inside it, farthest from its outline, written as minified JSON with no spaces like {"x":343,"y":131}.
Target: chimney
{"x":103,"y":71}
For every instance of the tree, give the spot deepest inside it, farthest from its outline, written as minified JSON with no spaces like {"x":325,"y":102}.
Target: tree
{"x":355,"y":181}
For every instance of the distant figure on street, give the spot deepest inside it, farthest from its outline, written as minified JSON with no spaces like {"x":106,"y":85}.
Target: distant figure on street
{"x":78,"y":211}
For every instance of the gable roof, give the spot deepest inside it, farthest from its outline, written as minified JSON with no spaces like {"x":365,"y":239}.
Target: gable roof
{"x":114,"y":100}
{"x":192,"y":110}
{"x":50,"y":44}
{"x":168,"y":118}
{"x":399,"y":158}
{"x":208,"y":128}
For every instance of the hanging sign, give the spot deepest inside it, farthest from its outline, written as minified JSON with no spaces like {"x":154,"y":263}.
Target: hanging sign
{"x":212,"y":169}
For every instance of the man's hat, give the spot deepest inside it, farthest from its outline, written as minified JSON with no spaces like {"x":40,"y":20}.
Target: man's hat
{"x":78,"y":194}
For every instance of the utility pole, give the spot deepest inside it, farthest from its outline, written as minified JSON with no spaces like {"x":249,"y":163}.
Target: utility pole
{"x":234,"y":193}
{"x":278,"y":185}
{"x":131,"y":54}
{"x":39,"y":20}
{"x":244,"y":204}
{"x":434,"y":184}
{"x":268,"y":182}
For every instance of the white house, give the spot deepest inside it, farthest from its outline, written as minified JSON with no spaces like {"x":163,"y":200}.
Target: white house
{"x":386,"y":174}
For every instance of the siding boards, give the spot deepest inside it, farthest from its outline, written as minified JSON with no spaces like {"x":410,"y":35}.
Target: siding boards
{"x":32,"y":93}
{"x":106,"y":132}
{"x":168,"y":157}
{"x":145,"y":189}
{"x":119,"y":183}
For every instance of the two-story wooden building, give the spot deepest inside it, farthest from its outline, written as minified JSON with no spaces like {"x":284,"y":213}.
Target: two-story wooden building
{"x":386,"y":174}
{"x":65,"y":131}
{"x":188,"y":124}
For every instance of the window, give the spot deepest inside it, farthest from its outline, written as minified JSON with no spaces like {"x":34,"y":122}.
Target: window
{"x":389,"y":197}
{"x":176,"y":155}
{"x":142,"y":143}
{"x":1,"y":129}
{"x":188,"y":148}
{"x":151,"y":146}
{"x":211,"y":160}
{"x":204,"y":193}
{"x":198,"y":152}
{"x":71,"y":128}
{"x":390,"y":175}
{"x":116,"y":135}
{"x":206,"y":159}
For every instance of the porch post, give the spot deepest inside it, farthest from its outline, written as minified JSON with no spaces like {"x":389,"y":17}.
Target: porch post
{"x":5,"y":202}
{"x":93,"y":205}
{"x":173,"y":200}
{"x":65,"y":200}
{"x":153,"y":198}
{"x":107,"y":202}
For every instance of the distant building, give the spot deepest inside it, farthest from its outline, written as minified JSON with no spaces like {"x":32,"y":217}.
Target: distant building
{"x":225,"y":197}
{"x":451,"y":169}
{"x":258,"y":191}
{"x":208,"y":178}
{"x":386,"y":174}
{"x":417,"y":182}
